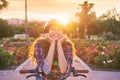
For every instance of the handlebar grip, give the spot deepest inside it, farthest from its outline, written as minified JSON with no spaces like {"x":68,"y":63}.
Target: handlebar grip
{"x":24,"y":71}
{"x":82,"y":71}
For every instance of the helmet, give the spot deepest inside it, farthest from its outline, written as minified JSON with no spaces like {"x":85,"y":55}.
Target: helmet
{"x":54,"y":23}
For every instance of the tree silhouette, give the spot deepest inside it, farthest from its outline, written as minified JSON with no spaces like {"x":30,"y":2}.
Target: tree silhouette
{"x":84,"y":15}
{"x":3,"y":4}
{"x":86,"y":7}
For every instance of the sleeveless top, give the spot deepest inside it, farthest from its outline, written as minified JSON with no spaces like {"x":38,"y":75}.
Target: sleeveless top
{"x":40,"y":53}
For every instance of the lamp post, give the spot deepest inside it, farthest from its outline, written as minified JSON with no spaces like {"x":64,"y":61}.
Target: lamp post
{"x":26,"y":20}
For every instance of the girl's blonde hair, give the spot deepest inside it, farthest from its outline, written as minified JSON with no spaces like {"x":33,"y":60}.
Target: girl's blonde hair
{"x":73,"y":48}
{"x":31,"y":50}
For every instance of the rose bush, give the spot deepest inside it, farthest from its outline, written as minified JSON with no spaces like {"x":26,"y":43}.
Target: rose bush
{"x":16,"y":49}
{"x":100,"y":54}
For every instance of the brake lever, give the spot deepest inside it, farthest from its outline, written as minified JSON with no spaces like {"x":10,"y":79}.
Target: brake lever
{"x":75,"y":73}
{"x":78,"y":74}
{"x":36,"y":73}
{"x":30,"y":76}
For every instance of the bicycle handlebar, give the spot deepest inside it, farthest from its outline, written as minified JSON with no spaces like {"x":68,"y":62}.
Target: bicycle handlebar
{"x":38,"y":72}
{"x":26,"y":71}
{"x":34,"y":70}
{"x":82,"y":71}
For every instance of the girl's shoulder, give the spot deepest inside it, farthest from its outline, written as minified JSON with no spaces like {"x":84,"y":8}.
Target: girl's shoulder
{"x":42,"y":40}
{"x":44,"y":44}
{"x":67,"y":42}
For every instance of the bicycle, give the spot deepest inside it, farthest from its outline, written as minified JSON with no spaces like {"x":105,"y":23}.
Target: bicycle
{"x":37,"y":73}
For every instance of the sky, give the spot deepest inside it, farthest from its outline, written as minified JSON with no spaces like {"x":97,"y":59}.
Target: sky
{"x":46,"y":9}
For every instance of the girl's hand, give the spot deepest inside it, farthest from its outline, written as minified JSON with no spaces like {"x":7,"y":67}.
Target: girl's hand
{"x":62,"y":39}
{"x":49,"y":38}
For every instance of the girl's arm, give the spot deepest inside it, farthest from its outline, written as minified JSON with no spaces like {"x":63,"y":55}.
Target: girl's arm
{"x":61,"y":57}
{"x":68,"y":52}
{"x":44,"y":62}
{"x":50,"y":55}
{"x":51,"y":50}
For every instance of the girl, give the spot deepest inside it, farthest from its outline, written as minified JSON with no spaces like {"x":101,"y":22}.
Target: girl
{"x":53,"y":52}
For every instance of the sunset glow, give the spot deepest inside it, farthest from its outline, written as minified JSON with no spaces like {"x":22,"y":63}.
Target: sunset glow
{"x":63,"y":18}
{"x":60,"y":9}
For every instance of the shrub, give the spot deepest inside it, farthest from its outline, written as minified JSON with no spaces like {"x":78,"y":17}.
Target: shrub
{"x":6,"y":58}
{"x":102,"y":54}
{"x":116,"y":59}
{"x":101,"y":60}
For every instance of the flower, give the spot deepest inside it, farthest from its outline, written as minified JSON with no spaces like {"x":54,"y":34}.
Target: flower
{"x":107,"y":50}
{"x":109,"y":61}
{"x":11,"y":52}
{"x":102,"y":53}
{"x":104,"y":62}
{"x":103,"y":47}
{"x":1,"y":45}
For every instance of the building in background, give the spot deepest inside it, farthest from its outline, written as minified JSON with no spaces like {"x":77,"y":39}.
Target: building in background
{"x":15,"y":21}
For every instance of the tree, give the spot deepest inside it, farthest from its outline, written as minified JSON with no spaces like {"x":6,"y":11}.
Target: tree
{"x":92,"y":27}
{"x":5,"y":29}
{"x":71,"y":29}
{"x":3,"y":4}
{"x":84,"y":15}
{"x":34,"y":32}
{"x":18,"y":29}
{"x":36,"y":28}
{"x":110,"y":22}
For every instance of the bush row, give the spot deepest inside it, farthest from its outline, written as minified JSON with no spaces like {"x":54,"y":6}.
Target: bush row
{"x":100,"y":54}
{"x":13,"y":52}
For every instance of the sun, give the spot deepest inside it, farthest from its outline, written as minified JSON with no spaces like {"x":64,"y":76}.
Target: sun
{"x":63,"y":18}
